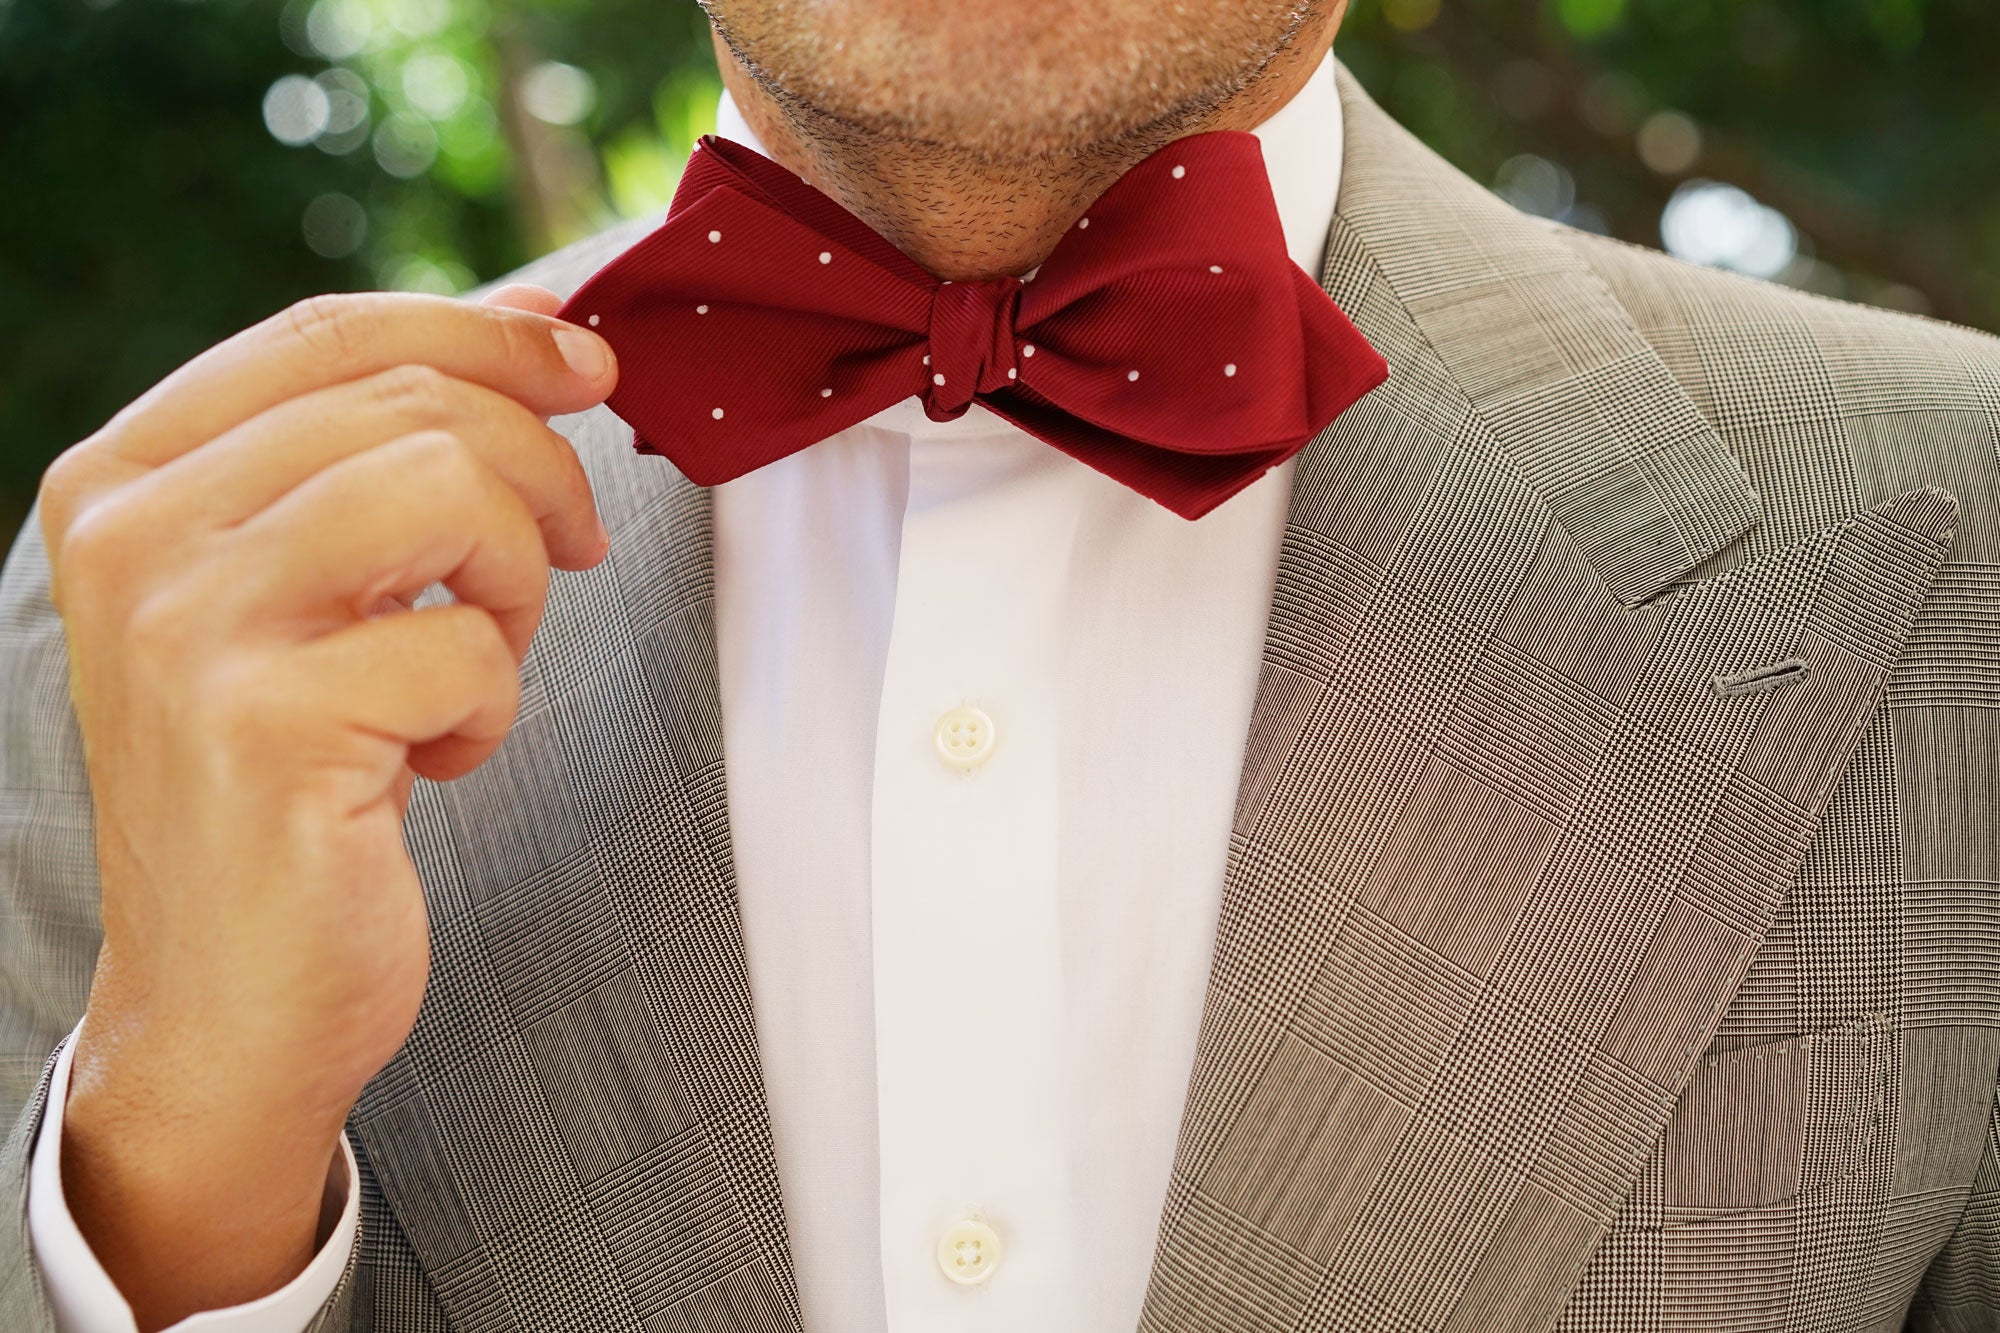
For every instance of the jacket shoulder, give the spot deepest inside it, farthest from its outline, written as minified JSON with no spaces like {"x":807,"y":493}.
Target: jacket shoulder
{"x":1751,"y":352}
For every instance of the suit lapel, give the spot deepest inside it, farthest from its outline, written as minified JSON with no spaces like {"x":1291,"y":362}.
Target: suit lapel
{"x":1503,"y":851}
{"x":575,"y":1134}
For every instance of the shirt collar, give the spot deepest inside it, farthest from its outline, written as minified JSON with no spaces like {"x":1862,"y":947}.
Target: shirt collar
{"x":1302,"y":143}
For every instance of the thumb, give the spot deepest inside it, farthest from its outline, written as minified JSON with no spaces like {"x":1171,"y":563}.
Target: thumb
{"x":519,"y":296}
{"x":524,"y":296}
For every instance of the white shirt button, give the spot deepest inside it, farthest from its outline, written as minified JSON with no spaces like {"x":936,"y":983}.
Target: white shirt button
{"x":969,"y":1251}
{"x":964,"y":737}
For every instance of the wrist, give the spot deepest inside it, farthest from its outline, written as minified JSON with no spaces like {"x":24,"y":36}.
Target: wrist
{"x":256,"y":1076}
{"x":235,"y":1151}
{"x":164,"y":1116}
{"x":187,"y":1217}
{"x":189,"y":1200}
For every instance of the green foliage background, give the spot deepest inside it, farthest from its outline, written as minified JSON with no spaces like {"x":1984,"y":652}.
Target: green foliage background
{"x":152,"y":211}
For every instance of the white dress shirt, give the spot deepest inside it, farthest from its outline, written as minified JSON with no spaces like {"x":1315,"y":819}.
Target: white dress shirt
{"x":978,"y":941}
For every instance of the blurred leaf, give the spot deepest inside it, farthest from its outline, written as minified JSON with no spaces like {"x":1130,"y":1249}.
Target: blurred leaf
{"x":1590,"y":18}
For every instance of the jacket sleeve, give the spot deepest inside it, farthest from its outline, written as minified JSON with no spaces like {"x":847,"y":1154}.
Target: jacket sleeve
{"x":49,"y":924}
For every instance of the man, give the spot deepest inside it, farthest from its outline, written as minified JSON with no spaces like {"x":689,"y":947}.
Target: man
{"x":1524,"y":863}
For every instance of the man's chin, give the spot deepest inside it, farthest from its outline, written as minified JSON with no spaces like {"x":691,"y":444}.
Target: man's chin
{"x":1000,"y":84}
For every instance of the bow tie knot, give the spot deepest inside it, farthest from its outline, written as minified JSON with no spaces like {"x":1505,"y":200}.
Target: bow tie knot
{"x":972,"y":349}
{"x":1168,"y":340}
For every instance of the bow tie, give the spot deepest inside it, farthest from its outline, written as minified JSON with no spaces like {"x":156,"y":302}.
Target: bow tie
{"x":1167,"y":341}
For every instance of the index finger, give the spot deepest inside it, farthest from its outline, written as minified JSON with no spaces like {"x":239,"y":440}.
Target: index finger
{"x":541,"y":362}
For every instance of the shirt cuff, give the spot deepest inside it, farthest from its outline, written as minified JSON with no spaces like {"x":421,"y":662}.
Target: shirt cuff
{"x":85,"y":1300}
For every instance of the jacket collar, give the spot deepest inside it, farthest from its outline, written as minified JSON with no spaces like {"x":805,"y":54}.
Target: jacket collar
{"x":1535,"y":353}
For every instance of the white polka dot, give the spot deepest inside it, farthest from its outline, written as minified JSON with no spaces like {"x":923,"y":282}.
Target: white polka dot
{"x":1082,"y":222}
{"x":927,"y":358}
{"x":593,"y":321}
{"x":825,"y":257}
{"x":1028,"y":350}
{"x":701,"y":310}
{"x":714,"y":236}
{"x":1131,"y":374}
{"x":717,"y":414}
{"x":826,"y":393}
{"x":1179,"y":172}
{"x":937,"y":379}
{"x":1215,"y":268}
{"x":1011,"y":373}
{"x":1229,"y":369}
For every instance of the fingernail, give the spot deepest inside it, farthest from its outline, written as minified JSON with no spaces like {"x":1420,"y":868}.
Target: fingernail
{"x":586,"y":352}
{"x":603,"y":535}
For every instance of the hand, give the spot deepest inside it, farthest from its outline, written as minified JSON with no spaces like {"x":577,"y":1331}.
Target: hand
{"x":234,"y":556}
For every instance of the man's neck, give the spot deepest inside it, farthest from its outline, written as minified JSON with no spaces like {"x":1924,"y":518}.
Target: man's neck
{"x":965,"y":219}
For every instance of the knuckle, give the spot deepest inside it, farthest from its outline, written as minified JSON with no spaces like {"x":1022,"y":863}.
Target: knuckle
{"x":524,"y":342}
{"x":231,"y":708}
{"x":459,"y":478}
{"x":164,"y":630}
{"x":445,"y":461}
{"x":486,"y":643}
{"x":99,"y":546}
{"x":62,"y":479}
{"x":58,"y":496}
{"x":474,"y":650}
{"x":537,"y":605}
{"x":331,"y":324}
{"x":414,"y":392}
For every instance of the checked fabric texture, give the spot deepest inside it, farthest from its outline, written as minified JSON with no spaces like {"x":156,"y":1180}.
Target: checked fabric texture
{"x":1557,"y":987}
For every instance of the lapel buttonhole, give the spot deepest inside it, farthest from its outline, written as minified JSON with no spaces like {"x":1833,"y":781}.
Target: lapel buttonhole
{"x":1758,"y":679}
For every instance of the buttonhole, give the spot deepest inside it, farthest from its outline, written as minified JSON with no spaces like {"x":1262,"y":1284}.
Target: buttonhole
{"x":1758,"y":679}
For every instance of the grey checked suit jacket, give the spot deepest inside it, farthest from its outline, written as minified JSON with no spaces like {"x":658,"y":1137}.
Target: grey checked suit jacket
{"x":1611,"y":934}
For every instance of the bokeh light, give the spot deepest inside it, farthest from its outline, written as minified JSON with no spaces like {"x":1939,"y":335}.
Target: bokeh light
{"x":405,"y":145}
{"x":347,"y":101}
{"x":1669,"y":142}
{"x":339,"y":29}
{"x":1612,"y":103}
{"x":334,"y":226}
{"x":558,"y":93}
{"x":296,"y":109}
{"x":436,"y":83}
{"x":1708,"y":222}
{"x":1535,"y":185}
{"x":417,"y":273}
{"x":420,"y":18}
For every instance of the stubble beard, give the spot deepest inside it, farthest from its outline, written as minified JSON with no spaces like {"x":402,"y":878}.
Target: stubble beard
{"x":1006,"y":98}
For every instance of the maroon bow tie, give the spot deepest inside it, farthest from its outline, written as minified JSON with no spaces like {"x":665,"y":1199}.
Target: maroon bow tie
{"x":1167,"y":341}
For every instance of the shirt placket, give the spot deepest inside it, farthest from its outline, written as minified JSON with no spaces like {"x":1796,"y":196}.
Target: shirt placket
{"x":968,"y":962}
